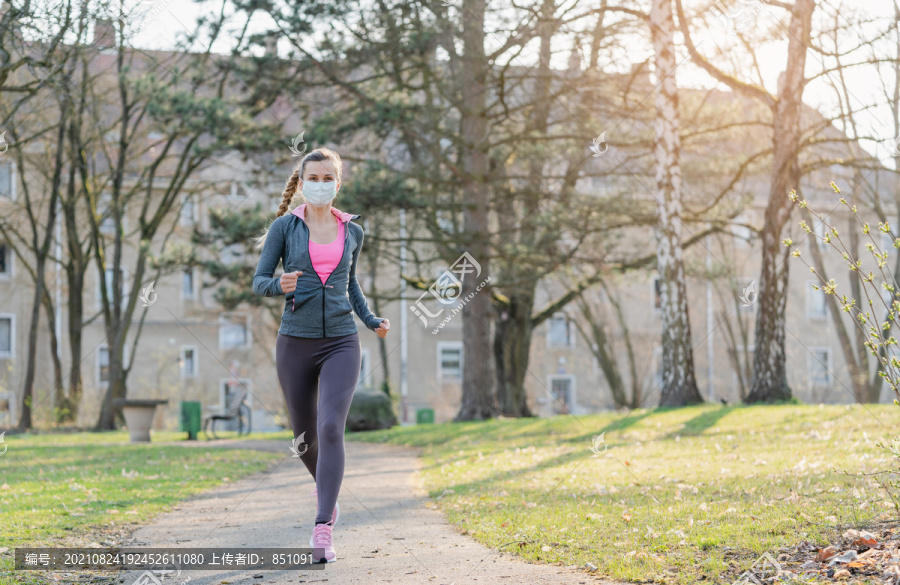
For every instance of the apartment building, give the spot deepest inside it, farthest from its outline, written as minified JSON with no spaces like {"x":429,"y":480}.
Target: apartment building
{"x":191,"y":349}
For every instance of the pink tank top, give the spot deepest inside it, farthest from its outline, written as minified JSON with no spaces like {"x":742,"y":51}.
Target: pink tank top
{"x":325,"y":257}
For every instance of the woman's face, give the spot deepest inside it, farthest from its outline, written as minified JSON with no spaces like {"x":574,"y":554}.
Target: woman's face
{"x":319,"y":170}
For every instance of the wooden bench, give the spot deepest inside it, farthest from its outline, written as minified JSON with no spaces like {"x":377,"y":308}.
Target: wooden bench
{"x":236,"y":408}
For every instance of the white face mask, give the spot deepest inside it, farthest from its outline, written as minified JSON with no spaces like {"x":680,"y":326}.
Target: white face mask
{"x":320,"y":193}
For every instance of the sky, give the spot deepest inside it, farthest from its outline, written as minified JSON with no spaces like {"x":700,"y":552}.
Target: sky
{"x":159,"y":21}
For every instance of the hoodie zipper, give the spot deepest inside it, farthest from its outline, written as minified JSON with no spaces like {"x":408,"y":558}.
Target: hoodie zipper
{"x":325,"y":284}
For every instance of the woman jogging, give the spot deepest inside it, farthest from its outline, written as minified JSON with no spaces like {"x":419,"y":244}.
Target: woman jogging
{"x":317,"y":353}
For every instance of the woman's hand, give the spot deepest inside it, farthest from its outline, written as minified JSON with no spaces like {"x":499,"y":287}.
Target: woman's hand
{"x":383,"y":328}
{"x":289,"y":281}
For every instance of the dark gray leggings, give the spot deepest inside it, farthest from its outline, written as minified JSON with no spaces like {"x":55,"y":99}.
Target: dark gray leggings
{"x":319,"y":375}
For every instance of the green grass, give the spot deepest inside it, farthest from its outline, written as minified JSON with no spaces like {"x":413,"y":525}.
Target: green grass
{"x":679,"y":496}
{"x":68,"y":489}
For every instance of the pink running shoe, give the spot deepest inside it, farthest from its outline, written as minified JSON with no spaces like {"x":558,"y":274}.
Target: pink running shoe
{"x":334,"y":514}
{"x":320,"y":542}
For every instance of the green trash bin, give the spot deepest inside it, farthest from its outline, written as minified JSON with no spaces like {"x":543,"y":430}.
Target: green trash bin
{"x":190,"y":418}
{"x":425,"y":416}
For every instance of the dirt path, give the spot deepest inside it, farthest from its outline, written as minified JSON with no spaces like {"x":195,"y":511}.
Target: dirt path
{"x":385,"y":533}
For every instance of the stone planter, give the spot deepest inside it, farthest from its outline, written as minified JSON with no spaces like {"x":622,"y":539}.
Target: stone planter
{"x":139,"y":416}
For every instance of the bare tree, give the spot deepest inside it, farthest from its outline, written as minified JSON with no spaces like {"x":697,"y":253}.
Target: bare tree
{"x":30,"y":69}
{"x":119,"y":172}
{"x":769,"y":377}
{"x":595,"y":329}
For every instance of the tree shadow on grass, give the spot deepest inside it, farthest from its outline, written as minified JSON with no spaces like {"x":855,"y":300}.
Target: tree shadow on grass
{"x":628,"y":420}
{"x":701,"y":422}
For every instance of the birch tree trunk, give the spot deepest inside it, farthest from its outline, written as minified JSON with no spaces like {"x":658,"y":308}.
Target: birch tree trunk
{"x":679,"y":387}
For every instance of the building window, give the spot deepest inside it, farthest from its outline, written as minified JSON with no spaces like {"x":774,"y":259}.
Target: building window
{"x":109,"y":288}
{"x":103,"y":363}
{"x":188,"y":212}
{"x":657,"y":293}
{"x":233,"y":254}
{"x":562,"y":390}
{"x":740,"y":366}
{"x":819,"y":231}
{"x":5,"y":271}
{"x":444,"y":219}
{"x":239,"y":192}
{"x":234,"y":333}
{"x":187,"y":284}
{"x":7,"y":336}
{"x":815,"y":302}
{"x":365,"y":379}
{"x":887,"y":244}
{"x":819,"y":366}
{"x":450,"y":364}
{"x":104,"y":208}
{"x":741,"y":231}
{"x":188,"y":361}
{"x":560,"y":331}
{"x":7,"y":180}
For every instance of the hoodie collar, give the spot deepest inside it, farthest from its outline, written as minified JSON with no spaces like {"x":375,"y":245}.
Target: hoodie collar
{"x":300,"y":211}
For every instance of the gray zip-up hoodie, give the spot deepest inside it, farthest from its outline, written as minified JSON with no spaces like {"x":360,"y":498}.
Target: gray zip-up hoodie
{"x":313,"y":309}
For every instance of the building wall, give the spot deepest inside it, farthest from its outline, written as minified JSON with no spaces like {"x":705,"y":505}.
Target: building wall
{"x":561,"y":378}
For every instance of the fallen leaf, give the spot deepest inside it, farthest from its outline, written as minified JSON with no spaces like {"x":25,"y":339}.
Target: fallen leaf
{"x":866,"y":539}
{"x":826,"y":553}
{"x":845,"y":557}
